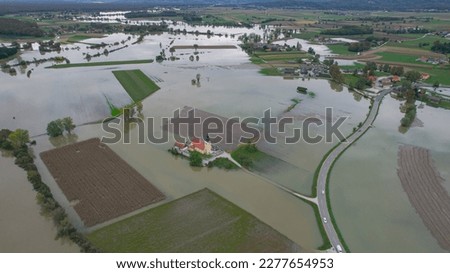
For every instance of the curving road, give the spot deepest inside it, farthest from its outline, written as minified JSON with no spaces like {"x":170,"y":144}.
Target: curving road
{"x":328,"y":163}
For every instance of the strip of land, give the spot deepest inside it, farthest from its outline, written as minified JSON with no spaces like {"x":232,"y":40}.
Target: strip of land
{"x":204,"y":47}
{"x":423,"y":185}
{"x":100,"y":185}
{"x":89,"y":64}
{"x":136,"y":83}
{"x":202,"y":222}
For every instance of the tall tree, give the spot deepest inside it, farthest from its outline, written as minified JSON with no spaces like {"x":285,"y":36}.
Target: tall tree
{"x":18,"y":138}
{"x":413,"y":76}
{"x":55,"y":128}
{"x":336,"y":74}
{"x":68,"y":124}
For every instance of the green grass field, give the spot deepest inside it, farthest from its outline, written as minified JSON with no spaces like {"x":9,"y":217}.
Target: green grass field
{"x":281,"y":56}
{"x":270,"y":71}
{"x":427,"y":42}
{"x":400,"y":58}
{"x":101,"y":63}
{"x":201,"y":222}
{"x":340,"y":49}
{"x":440,"y":75}
{"x":78,"y":38}
{"x":136,"y":83}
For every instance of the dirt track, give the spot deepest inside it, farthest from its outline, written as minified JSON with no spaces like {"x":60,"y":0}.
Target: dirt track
{"x":423,"y":185}
{"x":98,"y":182}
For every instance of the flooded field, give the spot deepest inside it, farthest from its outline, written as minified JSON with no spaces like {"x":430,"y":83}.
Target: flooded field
{"x":229,"y":86}
{"x":22,"y":227}
{"x":370,"y":206}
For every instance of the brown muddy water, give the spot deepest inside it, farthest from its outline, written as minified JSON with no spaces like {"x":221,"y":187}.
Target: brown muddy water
{"x":23,"y":228}
{"x":371,"y":208}
{"x":230,"y":87}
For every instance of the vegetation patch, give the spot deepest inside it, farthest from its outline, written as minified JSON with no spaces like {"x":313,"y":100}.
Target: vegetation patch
{"x":136,"y":83}
{"x":88,"y":64}
{"x":101,"y":184}
{"x":247,"y":154}
{"x":223,"y":163}
{"x":200,"y":222}
{"x":270,"y":71}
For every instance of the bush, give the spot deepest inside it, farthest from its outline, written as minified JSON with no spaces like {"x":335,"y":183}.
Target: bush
{"x":196,"y":159}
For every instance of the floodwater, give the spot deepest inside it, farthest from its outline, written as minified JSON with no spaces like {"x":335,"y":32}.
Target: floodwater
{"x":23,"y":228}
{"x":370,"y":206}
{"x":230,"y":86}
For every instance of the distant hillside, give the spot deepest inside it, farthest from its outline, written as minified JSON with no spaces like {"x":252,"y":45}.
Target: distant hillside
{"x":28,"y":5}
{"x":9,"y":26}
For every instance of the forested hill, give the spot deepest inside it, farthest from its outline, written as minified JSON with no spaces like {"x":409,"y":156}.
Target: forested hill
{"x":10,"y":26}
{"x":28,"y":5}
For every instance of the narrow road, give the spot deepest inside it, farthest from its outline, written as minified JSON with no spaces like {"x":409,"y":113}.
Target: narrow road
{"x":326,"y":167}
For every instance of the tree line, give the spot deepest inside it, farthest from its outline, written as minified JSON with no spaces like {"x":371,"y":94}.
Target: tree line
{"x":6,"y":52}
{"x":439,"y":47}
{"x":18,"y":142}
{"x":349,"y":30}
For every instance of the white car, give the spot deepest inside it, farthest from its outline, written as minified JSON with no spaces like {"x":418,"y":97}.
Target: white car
{"x":339,"y":248}
{"x":325,"y":220}
{"x":323,"y":191}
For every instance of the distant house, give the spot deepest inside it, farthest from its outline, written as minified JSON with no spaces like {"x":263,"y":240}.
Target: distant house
{"x":385,"y":82}
{"x":395,"y":79}
{"x":372,"y":78}
{"x":424,"y":76}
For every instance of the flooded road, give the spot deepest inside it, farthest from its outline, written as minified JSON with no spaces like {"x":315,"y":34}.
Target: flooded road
{"x":23,"y":228}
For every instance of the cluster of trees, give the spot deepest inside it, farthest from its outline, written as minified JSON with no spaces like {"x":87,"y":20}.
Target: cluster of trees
{"x":244,"y":155}
{"x":366,"y":44}
{"x":196,"y":159}
{"x":49,"y":46}
{"x":359,"y":47}
{"x":416,"y":30}
{"x":6,"y":52}
{"x":439,"y":47}
{"x":410,"y":94}
{"x":145,"y":14}
{"x":349,"y":30}
{"x":17,"y":141}
{"x":10,"y":26}
{"x":57,"y":127}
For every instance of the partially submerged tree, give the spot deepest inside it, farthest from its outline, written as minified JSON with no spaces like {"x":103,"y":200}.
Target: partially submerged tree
{"x":18,"y":138}
{"x":195,"y":159}
{"x":55,"y":128}
{"x":68,"y":124}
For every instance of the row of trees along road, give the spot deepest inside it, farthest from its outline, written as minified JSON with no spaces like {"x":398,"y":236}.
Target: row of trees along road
{"x":57,"y":127}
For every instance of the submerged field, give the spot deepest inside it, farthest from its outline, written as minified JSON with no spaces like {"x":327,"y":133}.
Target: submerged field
{"x":200,"y":222}
{"x":101,"y":63}
{"x":98,"y":183}
{"x":136,"y":83}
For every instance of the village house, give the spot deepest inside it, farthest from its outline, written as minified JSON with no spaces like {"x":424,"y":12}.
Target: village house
{"x":196,"y":144}
{"x":424,"y":76}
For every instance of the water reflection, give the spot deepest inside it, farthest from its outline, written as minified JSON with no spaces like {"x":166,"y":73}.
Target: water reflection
{"x":63,"y":140}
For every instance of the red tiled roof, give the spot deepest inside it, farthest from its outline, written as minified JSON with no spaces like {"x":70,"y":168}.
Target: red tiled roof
{"x":198,"y":144}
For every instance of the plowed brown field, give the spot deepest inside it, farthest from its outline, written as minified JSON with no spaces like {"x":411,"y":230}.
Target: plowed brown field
{"x":423,"y":184}
{"x":100,"y":184}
